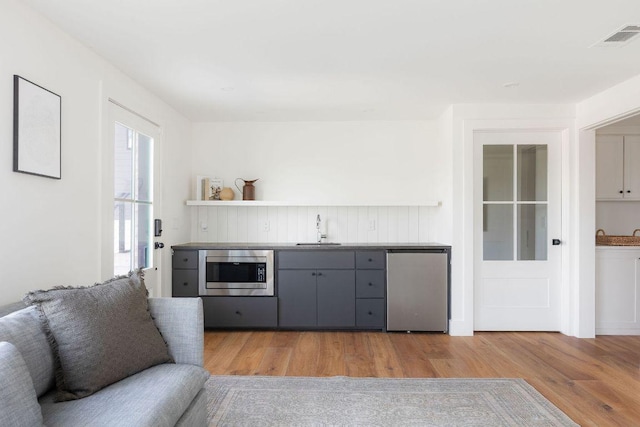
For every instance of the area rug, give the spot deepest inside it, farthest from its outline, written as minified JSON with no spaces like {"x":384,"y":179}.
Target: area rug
{"x":345,"y":401}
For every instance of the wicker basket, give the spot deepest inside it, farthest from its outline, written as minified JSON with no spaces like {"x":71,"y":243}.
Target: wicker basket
{"x":603,"y":240}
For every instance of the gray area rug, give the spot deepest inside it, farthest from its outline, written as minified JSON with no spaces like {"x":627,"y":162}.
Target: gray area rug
{"x":301,"y":401}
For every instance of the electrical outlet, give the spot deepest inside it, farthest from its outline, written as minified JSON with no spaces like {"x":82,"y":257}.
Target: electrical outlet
{"x":204,"y":226}
{"x":266,"y":226}
{"x":372,"y":225}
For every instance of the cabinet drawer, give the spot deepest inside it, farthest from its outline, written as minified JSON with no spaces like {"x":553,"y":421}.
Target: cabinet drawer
{"x":184,"y":283}
{"x":370,"y":313}
{"x":370,"y":283}
{"x":337,"y":260}
{"x":370,"y":259}
{"x":240,"y":312}
{"x":185,"y":259}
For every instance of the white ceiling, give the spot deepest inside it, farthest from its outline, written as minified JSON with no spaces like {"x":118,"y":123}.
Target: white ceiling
{"x":263,"y":60}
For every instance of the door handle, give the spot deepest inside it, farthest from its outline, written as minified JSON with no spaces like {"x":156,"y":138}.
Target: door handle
{"x":555,"y":242}
{"x":159,"y":245}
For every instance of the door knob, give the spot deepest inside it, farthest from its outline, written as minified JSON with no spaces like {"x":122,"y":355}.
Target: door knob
{"x":159,"y":245}
{"x":555,"y":242}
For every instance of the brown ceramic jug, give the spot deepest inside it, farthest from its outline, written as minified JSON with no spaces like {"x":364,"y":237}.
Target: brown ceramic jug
{"x":248,"y":190}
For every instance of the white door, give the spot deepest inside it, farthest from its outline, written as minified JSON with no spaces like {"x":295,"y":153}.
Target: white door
{"x":517,"y":227}
{"x":131,"y":188}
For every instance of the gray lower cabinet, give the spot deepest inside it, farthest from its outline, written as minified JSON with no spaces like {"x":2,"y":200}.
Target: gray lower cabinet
{"x":240,"y":312}
{"x":184,"y":280}
{"x":297,"y":301}
{"x":316,"y":298}
{"x":336,"y":294}
{"x":325,"y":289}
{"x":370,"y":289}
{"x":315,"y":289}
{"x":370,"y":313}
{"x":185,"y":283}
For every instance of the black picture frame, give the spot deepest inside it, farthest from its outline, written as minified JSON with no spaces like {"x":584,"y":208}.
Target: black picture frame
{"x":37,"y":133}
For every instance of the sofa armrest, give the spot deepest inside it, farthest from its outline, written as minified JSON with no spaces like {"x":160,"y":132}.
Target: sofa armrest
{"x":18,"y":401}
{"x":181,"y":323}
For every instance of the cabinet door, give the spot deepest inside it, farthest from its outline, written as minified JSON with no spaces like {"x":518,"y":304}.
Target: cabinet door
{"x":617,"y":291}
{"x":316,"y":259}
{"x":336,"y":298}
{"x":185,"y":283}
{"x":370,"y":313}
{"x":370,"y":283}
{"x":609,"y":167}
{"x":371,"y":259}
{"x":185,"y":259}
{"x":240,"y":312}
{"x":297,"y":298}
{"x":632,"y":167}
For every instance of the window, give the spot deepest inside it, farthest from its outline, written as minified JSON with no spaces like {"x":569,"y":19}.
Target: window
{"x":133,"y":200}
{"x":515,"y":202}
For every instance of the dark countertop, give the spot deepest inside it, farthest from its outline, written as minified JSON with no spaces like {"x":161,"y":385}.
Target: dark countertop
{"x":289,"y":246}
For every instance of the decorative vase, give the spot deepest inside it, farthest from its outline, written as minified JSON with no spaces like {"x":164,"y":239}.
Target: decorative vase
{"x":227,"y":194}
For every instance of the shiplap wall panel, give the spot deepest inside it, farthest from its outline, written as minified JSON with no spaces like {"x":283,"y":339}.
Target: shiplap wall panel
{"x":291,"y":224}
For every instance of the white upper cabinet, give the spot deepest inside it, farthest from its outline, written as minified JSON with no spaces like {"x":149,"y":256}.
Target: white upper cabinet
{"x":618,"y":167}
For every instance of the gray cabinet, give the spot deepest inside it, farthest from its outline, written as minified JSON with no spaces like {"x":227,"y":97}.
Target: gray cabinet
{"x":316,"y":289}
{"x":221,"y":312}
{"x":336,"y":298}
{"x":370,"y":313}
{"x":370,"y":289}
{"x":240,"y":312}
{"x":297,"y":298}
{"x":184,"y":280}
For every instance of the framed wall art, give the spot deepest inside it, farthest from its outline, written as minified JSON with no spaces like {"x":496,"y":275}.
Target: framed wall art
{"x":36,"y":129}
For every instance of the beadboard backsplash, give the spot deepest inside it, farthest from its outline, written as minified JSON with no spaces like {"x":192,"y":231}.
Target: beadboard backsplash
{"x":293,"y":224}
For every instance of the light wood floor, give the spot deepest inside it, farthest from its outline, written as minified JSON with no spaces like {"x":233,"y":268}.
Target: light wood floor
{"x":596,"y":382}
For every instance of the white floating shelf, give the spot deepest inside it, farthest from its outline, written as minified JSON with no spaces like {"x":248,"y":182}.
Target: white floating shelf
{"x":427,"y":203}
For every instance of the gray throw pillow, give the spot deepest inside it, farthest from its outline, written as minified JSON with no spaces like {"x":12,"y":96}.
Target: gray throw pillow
{"x":99,"y":334}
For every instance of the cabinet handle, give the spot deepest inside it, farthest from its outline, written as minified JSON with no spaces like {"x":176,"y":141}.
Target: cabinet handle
{"x":313,"y":274}
{"x":185,"y":259}
{"x":185,"y":284}
{"x":370,"y":284}
{"x":628,"y":191}
{"x":370,"y":259}
{"x":370,"y":314}
{"x":621,"y":191}
{"x":319,"y":274}
{"x":238,"y":312}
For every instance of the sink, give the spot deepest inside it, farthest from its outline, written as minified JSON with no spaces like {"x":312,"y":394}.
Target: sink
{"x":318,"y":244}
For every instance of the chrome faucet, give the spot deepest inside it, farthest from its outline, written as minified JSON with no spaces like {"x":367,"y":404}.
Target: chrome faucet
{"x":319,"y":234}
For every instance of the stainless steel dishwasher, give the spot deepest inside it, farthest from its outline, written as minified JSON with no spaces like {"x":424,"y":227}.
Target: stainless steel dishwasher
{"x":418,"y":290}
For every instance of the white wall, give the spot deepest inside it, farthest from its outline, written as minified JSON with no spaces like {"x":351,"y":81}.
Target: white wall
{"x":617,"y":102}
{"x":323,"y":162}
{"x":618,"y":218}
{"x":50,"y":229}
{"x":328,"y":164}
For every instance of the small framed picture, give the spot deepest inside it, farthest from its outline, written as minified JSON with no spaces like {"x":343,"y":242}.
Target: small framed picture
{"x":36,"y":129}
{"x":212,"y":188}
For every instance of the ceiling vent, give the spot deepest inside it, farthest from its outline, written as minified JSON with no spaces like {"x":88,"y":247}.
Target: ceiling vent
{"x":620,"y":37}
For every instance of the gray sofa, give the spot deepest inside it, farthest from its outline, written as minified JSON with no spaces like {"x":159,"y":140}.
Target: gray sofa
{"x":164,"y":395}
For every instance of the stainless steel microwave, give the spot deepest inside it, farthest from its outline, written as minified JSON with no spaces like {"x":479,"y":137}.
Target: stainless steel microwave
{"x":236,"y":272}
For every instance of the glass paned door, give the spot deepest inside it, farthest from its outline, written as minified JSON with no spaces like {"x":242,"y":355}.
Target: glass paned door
{"x":133,"y":200}
{"x":517,"y":212}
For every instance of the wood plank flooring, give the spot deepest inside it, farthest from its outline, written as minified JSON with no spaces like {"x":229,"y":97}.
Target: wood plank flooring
{"x":596,"y":382}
